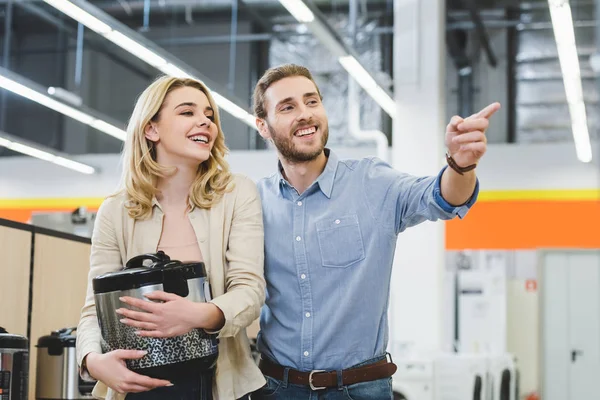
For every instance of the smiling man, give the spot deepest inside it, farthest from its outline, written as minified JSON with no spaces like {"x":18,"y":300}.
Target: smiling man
{"x":331,"y":227}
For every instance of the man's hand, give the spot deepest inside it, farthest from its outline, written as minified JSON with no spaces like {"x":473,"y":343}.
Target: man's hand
{"x":465,"y":138}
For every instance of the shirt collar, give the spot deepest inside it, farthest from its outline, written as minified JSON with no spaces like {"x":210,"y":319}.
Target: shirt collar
{"x":325,"y":180}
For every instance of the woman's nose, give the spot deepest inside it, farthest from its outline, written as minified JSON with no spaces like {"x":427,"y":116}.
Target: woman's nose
{"x":204,"y":120}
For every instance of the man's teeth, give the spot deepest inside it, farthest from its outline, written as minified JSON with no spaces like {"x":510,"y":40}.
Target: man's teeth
{"x":307,"y":131}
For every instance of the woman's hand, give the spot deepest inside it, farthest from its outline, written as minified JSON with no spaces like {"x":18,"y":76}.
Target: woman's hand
{"x":110,"y":369}
{"x":174,"y":316}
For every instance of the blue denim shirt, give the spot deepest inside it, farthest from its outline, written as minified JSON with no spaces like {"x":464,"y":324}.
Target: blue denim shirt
{"x":328,"y":259}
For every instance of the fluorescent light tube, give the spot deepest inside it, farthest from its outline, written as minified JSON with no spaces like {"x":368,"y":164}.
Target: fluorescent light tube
{"x":109,"y":129}
{"x":138,"y":50}
{"x":30,"y":151}
{"x":358,"y":72}
{"x":384,"y":100}
{"x":173,"y":70}
{"x":80,"y":15}
{"x":299,"y":10}
{"x":65,"y":95}
{"x":366,"y":81}
{"x":581,"y":134}
{"x":74,"y":165}
{"x":303,"y":14}
{"x":44,"y":100}
{"x":143,"y":53}
{"x":14,"y":145}
{"x":234,"y":110}
{"x":62,"y":108}
{"x":564,"y":34}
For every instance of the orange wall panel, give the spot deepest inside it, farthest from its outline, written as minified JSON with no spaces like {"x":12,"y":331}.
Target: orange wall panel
{"x":499,"y":220}
{"x":527,"y":224}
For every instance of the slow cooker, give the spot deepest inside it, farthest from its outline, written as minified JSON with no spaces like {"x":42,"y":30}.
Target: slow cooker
{"x":167,"y":358}
{"x":57,"y":375}
{"x":14,"y":366}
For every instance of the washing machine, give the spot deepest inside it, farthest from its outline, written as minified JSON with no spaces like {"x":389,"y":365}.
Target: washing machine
{"x":413,"y":380}
{"x":503,"y":377}
{"x":459,"y":376}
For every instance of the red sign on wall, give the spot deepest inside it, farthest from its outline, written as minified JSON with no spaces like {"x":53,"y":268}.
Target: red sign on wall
{"x":531,"y":285}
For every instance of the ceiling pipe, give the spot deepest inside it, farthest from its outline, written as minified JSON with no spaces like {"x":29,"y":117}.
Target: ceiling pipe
{"x":376,"y":136}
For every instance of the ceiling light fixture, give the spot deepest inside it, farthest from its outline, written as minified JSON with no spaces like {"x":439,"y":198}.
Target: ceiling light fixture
{"x":140,"y":47}
{"x":303,"y":13}
{"x":21,"y":86}
{"x":564,"y":34}
{"x":13,"y":143}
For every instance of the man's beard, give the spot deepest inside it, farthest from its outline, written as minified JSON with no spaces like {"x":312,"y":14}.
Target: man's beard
{"x":288,"y":150}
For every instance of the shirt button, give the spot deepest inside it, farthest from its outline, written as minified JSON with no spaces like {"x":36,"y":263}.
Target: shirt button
{"x":303,"y":276}
{"x":337,"y":221}
{"x":306,"y":354}
{"x":298,"y":238}
{"x":299,"y":203}
{"x":307,"y":315}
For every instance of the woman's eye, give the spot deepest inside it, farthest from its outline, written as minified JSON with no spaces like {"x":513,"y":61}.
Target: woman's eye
{"x":188,"y":113}
{"x":211,"y":117}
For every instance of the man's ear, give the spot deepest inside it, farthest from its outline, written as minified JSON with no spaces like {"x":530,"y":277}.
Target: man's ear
{"x":151,"y":133}
{"x":263,"y":129}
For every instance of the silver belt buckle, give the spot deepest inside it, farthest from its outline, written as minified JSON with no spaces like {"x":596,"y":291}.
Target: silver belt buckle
{"x":310,"y":378}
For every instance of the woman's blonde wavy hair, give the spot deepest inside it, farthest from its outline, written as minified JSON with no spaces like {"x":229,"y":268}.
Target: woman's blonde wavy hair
{"x":140,"y":169}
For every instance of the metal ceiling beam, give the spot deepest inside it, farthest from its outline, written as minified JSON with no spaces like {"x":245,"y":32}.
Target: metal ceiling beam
{"x":261,"y":21}
{"x":598,"y":46}
{"x":93,"y":42}
{"x":456,"y":41}
{"x":249,"y":37}
{"x":512,"y":50}
{"x":543,"y":5}
{"x":207,"y":5}
{"x":548,"y":25}
{"x":524,"y":58}
{"x":480,"y":29}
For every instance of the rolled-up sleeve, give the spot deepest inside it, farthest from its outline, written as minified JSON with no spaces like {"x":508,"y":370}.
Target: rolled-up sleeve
{"x":244,"y":282}
{"x":105,"y":257}
{"x":461,"y":210}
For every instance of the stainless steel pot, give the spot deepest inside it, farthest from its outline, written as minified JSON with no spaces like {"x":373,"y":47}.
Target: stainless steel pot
{"x":57,"y":376}
{"x":167,"y":358}
{"x":14,"y":366}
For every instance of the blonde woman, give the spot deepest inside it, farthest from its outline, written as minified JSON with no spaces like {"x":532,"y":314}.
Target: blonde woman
{"x":179,"y":196}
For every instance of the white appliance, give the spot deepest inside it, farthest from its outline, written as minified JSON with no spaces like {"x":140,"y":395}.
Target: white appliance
{"x":445,"y":376}
{"x":461,"y":376}
{"x":502,"y":377}
{"x":413,"y":380}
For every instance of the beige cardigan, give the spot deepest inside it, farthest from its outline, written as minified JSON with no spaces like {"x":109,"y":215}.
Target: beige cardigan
{"x":231,"y":239}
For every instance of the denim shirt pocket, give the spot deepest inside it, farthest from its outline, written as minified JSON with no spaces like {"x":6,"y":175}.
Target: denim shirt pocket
{"x":340,"y":241}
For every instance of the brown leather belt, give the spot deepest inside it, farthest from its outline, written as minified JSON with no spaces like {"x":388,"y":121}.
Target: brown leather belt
{"x":319,"y":379}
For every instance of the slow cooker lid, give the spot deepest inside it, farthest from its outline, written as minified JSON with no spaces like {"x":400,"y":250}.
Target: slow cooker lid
{"x":61,"y":338}
{"x":135,"y":275}
{"x":11,"y":341}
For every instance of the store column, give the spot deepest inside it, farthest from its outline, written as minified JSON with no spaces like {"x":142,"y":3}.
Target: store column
{"x":416,"y":307}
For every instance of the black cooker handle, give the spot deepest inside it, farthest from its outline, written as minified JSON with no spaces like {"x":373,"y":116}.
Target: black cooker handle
{"x":138,"y":261}
{"x":65,"y":331}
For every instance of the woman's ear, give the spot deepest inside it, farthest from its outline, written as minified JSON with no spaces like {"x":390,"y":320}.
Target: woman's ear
{"x":151,"y":133}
